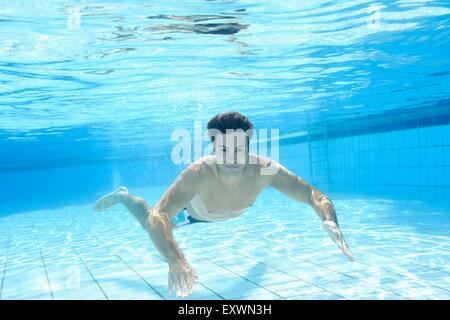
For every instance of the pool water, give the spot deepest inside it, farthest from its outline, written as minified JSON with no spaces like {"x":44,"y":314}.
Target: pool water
{"x":91,"y":94}
{"x":276,"y":250}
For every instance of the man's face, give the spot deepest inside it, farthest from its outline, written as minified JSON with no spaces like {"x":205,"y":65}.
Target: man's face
{"x":231,"y":152}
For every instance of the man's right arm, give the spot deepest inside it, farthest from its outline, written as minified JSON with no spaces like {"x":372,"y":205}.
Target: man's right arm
{"x":181,"y":274}
{"x":171,"y":203}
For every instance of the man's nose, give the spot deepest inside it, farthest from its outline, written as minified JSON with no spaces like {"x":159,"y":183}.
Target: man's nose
{"x":231,"y":157}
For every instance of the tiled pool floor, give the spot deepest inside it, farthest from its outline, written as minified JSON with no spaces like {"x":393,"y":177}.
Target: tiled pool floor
{"x":277,"y":250}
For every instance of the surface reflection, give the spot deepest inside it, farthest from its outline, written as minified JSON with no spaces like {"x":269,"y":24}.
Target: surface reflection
{"x":220,"y":28}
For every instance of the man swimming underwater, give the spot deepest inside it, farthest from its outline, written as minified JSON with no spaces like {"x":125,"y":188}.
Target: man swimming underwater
{"x":216,"y":188}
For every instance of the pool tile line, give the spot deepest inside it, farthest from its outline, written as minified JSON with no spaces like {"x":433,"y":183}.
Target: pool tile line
{"x":248,"y":280}
{"x":126,"y":263}
{"x":300,"y":279}
{"x":89,"y":271}
{"x":415,"y":262}
{"x":398,"y":274}
{"x":160,"y":258}
{"x":5,"y":264}
{"x":337,"y":272}
{"x":393,"y":270}
{"x":306,"y":281}
{"x":257,"y":284}
{"x":43,"y":262}
{"x":348,"y":276}
{"x":387,"y":285}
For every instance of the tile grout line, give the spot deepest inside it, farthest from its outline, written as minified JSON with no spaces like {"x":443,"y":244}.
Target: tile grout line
{"x":140,"y":276}
{"x":6,"y":263}
{"x":239,"y":276}
{"x":156,"y":290}
{"x":389,"y":272}
{"x":151,"y":285}
{"x":388,"y":290}
{"x":69,"y":241}
{"x":418,"y":264}
{"x":349,"y":276}
{"x":121,"y":259}
{"x":43,"y":261}
{"x":89,"y":271}
{"x":346,"y":275}
{"x":313,"y":284}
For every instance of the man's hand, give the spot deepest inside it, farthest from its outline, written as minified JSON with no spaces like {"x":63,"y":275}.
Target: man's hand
{"x":336,"y":235}
{"x":181,"y":278}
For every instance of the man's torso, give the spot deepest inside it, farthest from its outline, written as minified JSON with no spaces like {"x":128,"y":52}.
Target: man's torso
{"x":216,"y":201}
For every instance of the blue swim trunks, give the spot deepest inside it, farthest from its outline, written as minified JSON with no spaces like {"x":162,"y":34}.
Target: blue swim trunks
{"x":184,"y":218}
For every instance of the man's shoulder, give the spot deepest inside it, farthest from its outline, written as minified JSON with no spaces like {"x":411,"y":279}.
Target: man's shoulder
{"x":262,"y":161}
{"x":201,"y":166}
{"x":264,"y":168}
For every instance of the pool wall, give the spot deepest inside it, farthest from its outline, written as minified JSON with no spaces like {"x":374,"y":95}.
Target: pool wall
{"x":409,"y":161}
{"x":404,"y":159}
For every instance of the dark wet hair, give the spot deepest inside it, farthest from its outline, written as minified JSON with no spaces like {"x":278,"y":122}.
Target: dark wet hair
{"x":230,"y":120}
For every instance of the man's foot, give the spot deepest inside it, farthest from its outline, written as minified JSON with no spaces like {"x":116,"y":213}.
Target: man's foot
{"x":111,"y":199}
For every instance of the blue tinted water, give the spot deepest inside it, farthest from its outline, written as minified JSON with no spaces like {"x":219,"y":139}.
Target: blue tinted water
{"x":91,"y":92}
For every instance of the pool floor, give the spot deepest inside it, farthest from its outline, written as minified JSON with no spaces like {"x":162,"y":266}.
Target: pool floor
{"x":276,"y":250}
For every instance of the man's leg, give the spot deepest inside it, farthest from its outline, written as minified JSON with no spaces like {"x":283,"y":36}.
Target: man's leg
{"x":137,"y":206}
{"x":181,"y":275}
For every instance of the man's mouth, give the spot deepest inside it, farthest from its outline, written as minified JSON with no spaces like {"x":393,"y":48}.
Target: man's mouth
{"x":232,"y":166}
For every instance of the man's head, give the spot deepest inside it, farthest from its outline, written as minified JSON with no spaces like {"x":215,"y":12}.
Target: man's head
{"x":230,"y":132}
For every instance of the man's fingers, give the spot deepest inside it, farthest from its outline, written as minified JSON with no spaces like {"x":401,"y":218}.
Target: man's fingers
{"x":345,"y":249}
{"x":193,"y":277}
{"x":348,"y":252}
{"x":179,"y":285}
{"x":350,"y":256}
{"x":191,"y":281}
{"x":170,"y":284}
{"x":173,"y":280}
{"x":185,"y":284}
{"x":343,"y":245}
{"x":333,"y":232}
{"x":184,"y":281}
{"x":336,"y":235}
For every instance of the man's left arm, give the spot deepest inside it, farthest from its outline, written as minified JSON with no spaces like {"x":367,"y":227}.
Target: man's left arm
{"x":297,"y":188}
